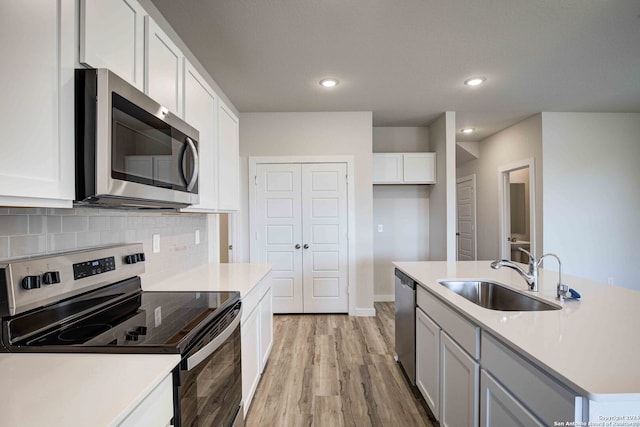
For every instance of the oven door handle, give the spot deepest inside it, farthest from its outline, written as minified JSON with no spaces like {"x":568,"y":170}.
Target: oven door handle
{"x":212,"y":346}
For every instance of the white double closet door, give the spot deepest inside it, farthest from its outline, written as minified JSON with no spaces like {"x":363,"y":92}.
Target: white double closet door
{"x":301,"y":229}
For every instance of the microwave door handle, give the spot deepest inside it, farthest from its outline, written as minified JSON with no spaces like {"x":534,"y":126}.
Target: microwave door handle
{"x":194,"y":174}
{"x":212,"y":346}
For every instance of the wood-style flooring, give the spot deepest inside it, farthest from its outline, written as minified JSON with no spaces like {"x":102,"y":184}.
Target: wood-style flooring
{"x":335,"y":370}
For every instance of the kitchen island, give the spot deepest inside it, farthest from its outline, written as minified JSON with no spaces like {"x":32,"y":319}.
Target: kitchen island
{"x":589,"y":347}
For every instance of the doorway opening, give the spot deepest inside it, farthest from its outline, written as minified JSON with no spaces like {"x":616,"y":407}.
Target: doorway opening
{"x":228,"y":249}
{"x":517,"y":200}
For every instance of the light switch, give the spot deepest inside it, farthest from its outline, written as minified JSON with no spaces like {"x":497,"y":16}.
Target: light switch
{"x":380,"y":228}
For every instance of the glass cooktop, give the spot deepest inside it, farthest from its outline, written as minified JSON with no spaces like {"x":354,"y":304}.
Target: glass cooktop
{"x":164,"y":321}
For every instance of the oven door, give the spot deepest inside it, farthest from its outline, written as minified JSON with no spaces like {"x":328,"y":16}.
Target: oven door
{"x":209,"y":391}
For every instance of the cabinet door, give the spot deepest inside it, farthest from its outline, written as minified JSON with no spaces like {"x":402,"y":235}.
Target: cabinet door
{"x":459,"y":378}
{"x":266,"y":328}
{"x":163,"y":68}
{"x":200,"y":112}
{"x":155,"y":410}
{"x":37,"y":103}
{"x":228,"y":158}
{"x":387,"y":168}
{"x":250,"y":333}
{"x":499,"y":408}
{"x":419,"y":168}
{"x":428,"y":361}
{"x":112,"y":36}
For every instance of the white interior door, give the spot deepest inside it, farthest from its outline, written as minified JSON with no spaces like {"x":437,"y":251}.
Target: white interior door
{"x":324,"y":237}
{"x":278,"y":232}
{"x":466,"y":198}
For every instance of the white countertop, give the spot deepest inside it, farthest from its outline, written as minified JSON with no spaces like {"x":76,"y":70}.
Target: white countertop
{"x":241,"y":277}
{"x":592,"y":345}
{"x":69,"y":390}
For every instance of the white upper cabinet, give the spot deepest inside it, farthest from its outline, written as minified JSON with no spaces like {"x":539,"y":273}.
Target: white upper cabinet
{"x":163,"y":68}
{"x":37,"y":103}
{"x":228,"y":158}
{"x":112,"y":36}
{"x":387,"y":168}
{"x":404,"y":168}
{"x":419,"y":168}
{"x":200,"y":105}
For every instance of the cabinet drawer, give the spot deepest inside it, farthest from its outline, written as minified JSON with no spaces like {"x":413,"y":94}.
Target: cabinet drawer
{"x":549,"y":400}
{"x":465,"y":333}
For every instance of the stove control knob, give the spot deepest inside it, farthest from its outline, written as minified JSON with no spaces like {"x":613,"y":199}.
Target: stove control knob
{"x":31,"y":282}
{"x":51,"y":277}
{"x":141,"y":257}
{"x":131,"y":259}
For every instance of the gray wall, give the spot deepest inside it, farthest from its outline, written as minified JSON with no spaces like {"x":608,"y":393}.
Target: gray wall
{"x":402,"y":210}
{"x":591,"y":197}
{"x":518,"y":142}
{"x":316,"y":134}
{"x":34,"y":231}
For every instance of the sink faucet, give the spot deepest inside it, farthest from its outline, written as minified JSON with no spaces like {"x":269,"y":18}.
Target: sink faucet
{"x":531,"y":276}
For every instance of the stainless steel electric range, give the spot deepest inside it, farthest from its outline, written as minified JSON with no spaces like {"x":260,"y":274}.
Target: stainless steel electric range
{"x":92,"y":301}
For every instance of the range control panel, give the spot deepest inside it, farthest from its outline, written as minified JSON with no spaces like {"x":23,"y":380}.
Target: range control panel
{"x":91,"y":268}
{"x":38,"y":281}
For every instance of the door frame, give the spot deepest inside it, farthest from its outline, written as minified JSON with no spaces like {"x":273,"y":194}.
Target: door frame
{"x":351,"y":222}
{"x":471,"y":178}
{"x":504,"y":207}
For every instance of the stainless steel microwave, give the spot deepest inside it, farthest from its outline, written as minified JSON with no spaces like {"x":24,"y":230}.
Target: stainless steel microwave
{"x":131,"y":152}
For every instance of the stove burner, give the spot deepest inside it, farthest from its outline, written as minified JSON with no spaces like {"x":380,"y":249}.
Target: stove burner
{"x":82,"y":333}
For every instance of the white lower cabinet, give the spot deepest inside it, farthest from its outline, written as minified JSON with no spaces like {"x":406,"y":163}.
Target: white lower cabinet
{"x":498,"y":407}
{"x":266,"y":328}
{"x":428,"y":361}
{"x":155,"y":410}
{"x":459,"y":381}
{"x":257,"y":337}
{"x":250,"y":332}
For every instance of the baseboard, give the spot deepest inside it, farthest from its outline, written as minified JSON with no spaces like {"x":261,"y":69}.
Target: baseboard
{"x":384,"y":298}
{"x":364,"y":312}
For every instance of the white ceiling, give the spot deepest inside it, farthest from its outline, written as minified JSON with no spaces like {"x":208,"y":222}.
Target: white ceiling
{"x":406,"y":60}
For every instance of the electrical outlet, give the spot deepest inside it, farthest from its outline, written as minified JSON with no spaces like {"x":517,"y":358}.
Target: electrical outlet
{"x":380,"y":228}
{"x":157,"y":316}
{"x":197,"y":237}
{"x":610,"y":280}
{"x":156,"y":243}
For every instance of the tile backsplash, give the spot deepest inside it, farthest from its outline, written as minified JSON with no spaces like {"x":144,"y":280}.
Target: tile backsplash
{"x":36,"y":231}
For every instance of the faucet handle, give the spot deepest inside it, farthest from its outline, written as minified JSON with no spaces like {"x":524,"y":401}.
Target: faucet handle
{"x":531,"y":257}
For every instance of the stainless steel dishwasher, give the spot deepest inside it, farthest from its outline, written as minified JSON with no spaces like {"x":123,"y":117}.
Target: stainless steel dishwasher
{"x":406,"y":324}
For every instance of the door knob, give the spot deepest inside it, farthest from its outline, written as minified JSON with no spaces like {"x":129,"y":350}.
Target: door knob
{"x":306,"y":246}
{"x":297,"y":246}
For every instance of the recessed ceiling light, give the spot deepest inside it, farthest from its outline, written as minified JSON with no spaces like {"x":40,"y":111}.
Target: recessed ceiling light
{"x":328,"y":82}
{"x":467,"y":130}
{"x":475,"y":81}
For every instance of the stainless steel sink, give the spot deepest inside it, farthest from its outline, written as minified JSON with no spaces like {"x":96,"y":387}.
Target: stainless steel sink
{"x":495,"y":296}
